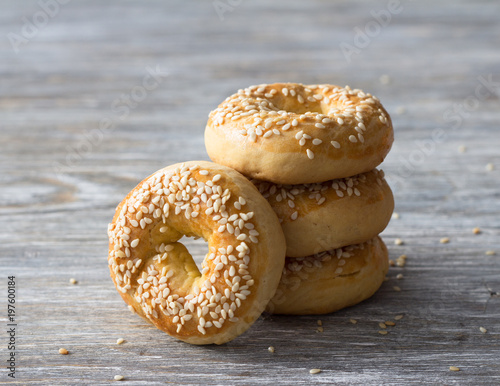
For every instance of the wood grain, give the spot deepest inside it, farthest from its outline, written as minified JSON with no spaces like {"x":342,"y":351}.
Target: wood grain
{"x":57,"y":192}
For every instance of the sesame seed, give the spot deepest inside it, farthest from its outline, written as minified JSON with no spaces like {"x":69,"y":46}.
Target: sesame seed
{"x":490,"y":167}
{"x":382,"y":332}
{"x":396,"y":288}
{"x":319,"y":329}
{"x":63,"y":351}
{"x":353,"y":321}
{"x":399,"y":276}
{"x":398,"y":317}
{"x":315,"y":371}
{"x":382,"y":325}
{"x":385,"y":79}
{"x":310,"y":154}
{"x":454,"y":368}
{"x":444,"y":240}
{"x":389,"y":323}
{"x":398,"y":242}
{"x":319,"y":125}
{"x":353,"y":139}
{"x":462,"y":148}
{"x":270,"y":349}
{"x":73,"y":281}
{"x":317,"y":141}
{"x":120,"y":341}
{"x":490,"y":253}
{"x":119,"y":378}
{"x":483,"y":330}
{"x":320,"y":323}
{"x":335,"y":144}
{"x":476,"y":231}
{"x":395,"y":216}
{"x":294,"y":215}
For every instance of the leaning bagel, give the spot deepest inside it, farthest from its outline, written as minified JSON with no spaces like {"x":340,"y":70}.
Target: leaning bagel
{"x":323,"y":216}
{"x":289,"y":133}
{"x":332,"y":280}
{"x":156,"y":275}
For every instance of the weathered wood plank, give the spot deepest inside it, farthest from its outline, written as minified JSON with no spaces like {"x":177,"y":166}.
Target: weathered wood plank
{"x":61,"y":176}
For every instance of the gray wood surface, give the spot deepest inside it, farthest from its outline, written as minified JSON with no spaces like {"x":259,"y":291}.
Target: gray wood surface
{"x":58,"y":193}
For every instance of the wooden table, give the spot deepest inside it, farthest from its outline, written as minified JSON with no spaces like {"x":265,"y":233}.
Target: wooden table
{"x":78,"y":130}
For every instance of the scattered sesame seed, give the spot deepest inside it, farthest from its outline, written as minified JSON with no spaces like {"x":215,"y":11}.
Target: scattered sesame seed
{"x":315,"y":371}
{"x":396,"y":288}
{"x":383,"y":332}
{"x":398,"y":242}
{"x":454,"y":368}
{"x":462,"y":148}
{"x":490,"y":253}
{"x":63,"y":351}
{"x":270,"y":349}
{"x":490,"y":167}
{"x":382,"y":325}
{"x":73,"y":281}
{"x":120,"y":341}
{"x":400,"y":110}
{"x":119,"y":378}
{"x":320,"y":329}
{"x":395,"y":216}
{"x":335,"y":144}
{"x":353,"y":321}
{"x":398,"y":317}
{"x":444,"y":240}
{"x":476,"y":231}
{"x":389,"y":323}
{"x":399,"y":276}
{"x":392,"y":263}
{"x":385,"y":79}
{"x":483,"y":330}
{"x":320,"y":323}
{"x":310,"y":154}
{"x":353,"y":139}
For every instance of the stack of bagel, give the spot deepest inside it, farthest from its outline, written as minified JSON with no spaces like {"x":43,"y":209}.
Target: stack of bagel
{"x":293,"y":230}
{"x":312,"y":152}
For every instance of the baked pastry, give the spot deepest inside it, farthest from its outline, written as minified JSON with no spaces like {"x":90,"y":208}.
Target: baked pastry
{"x":156,"y":275}
{"x":332,"y":280}
{"x":289,"y":133}
{"x":323,"y":216}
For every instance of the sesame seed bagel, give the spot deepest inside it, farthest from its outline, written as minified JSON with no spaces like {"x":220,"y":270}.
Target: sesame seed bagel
{"x":289,"y":133}
{"x":332,"y":280}
{"x":323,"y":216}
{"x":156,"y":275}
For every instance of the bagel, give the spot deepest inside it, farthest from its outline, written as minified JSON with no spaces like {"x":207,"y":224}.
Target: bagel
{"x":323,"y":216}
{"x":288,"y":133}
{"x":156,"y":275}
{"x":332,"y":280}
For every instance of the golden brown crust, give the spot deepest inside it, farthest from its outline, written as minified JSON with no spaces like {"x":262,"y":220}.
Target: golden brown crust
{"x":323,"y":216}
{"x":331,"y":280}
{"x":157,"y":276}
{"x":317,"y":134}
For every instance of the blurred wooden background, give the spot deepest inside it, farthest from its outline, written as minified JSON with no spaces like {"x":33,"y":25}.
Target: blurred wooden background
{"x":78,"y":130}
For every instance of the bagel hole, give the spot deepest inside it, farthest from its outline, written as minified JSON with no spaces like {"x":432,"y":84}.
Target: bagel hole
{"x":197,"y":247}
{"x":297,"y":108}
